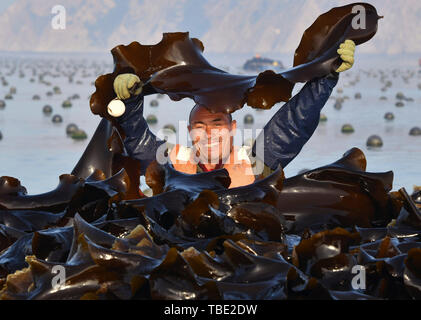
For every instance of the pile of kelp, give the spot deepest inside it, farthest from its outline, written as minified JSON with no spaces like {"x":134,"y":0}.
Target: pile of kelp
{"x":294,"y":238}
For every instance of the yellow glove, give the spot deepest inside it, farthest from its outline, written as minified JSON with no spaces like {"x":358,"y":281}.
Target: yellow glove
{"x":124,"y":82}
{"x":346,"y":52}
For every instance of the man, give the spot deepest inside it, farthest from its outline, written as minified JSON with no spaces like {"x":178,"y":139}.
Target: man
{"x":212,"y":133}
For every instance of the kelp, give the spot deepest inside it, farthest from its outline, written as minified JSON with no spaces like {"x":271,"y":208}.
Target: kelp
{"x":279,"y":238}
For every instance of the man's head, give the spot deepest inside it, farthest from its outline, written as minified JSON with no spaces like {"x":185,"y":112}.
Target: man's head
{"x":212,"y":134}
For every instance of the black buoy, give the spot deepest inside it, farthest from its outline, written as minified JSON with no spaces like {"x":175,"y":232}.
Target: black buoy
{"x":8,"y":97}
{"x":389,"y":116}
{"x":357,"y":96}
{"x":338,"y":105}
{"x":347,"y":128}
{"x":248,"y":119}
{"x":79,"y":135}
{"x":151,"y":119}
{"x":154,"y":103}
{"x":400,"y":96}
{"x":66,"y":104}
{"x":57,"y":119}
{"x":170,"y":127}
{"x":71,"y":128}
{"x":374,"y":141}
{"x":36,"y":97}
{"x":415,"y":131}
{"x":47,"y":110}
{"x":399,"y":104}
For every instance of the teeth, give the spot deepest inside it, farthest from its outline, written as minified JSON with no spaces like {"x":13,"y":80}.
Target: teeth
{"x":212,"y":144}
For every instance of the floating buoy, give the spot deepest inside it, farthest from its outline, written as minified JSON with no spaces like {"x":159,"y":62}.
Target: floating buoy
{"x":75,"y":96}
{"x":374,"y":141}
{"x":154,"y":103}
{"x":151,"y":119}
{"x":36,"y":97}
{"x":57,"y":119}
{"x":248,"y":119}
{"x":170,"y":127}
{"x":415,"y":131}
{"x":49,"y":93}
{"x":66,"y":104}
{"x":357,"y":96}
{"x":400,"y":96}
{"x":383,"y":98}
{"x":340,"y":90}
{"x":322,"y":118}
{"x":57,"y":90}
{"x":71,"y":128}
{"x":8,"y":97}
{"x":1,"y":135}
{"x":12,"y":90}
{"x":347,"y":128}
{"x":79,"y":135}
{"x":2,"y":104}
{"x":399,"y":104}
{"x":389,"y":116}
{"x":338,"y":105}
{"x":47,"y":109}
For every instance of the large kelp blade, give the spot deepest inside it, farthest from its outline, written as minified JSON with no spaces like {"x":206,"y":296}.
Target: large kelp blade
{"x":175,"y":66}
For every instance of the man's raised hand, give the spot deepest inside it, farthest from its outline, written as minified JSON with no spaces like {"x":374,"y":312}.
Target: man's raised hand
{"x":346,"y":52}
{"x":127,"y":85}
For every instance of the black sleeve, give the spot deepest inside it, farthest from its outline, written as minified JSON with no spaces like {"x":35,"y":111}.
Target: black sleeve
{"x":140,"y":142}
{"x":291,"y":127}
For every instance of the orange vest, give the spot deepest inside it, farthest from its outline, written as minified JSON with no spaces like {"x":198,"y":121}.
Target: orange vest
{"x":239,"y":167}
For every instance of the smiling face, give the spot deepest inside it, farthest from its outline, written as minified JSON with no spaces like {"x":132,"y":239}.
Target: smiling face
{"x":212,"y":134}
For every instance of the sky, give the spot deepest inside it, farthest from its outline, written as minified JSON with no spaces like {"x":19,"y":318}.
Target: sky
{"x":4,"y":4}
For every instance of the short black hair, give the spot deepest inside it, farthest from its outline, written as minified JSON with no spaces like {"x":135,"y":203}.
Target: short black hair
{"x":198,"y":105}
